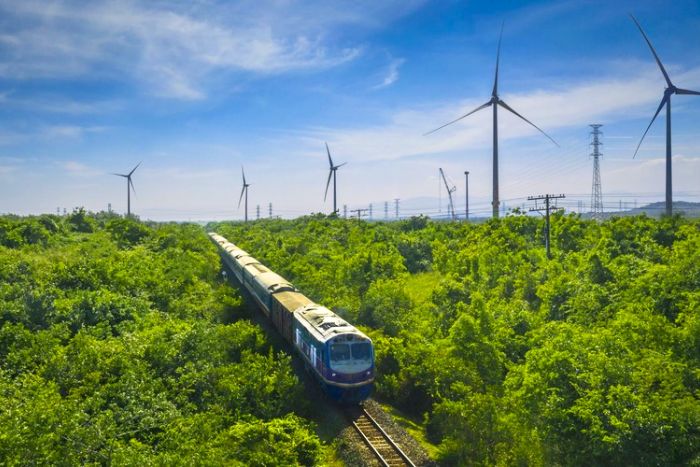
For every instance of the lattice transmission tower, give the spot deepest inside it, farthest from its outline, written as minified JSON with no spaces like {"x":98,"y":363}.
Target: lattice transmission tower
{"x":597,"y":191}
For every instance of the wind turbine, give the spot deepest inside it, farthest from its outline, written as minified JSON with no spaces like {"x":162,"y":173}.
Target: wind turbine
{"x":244,"y":190}
{"x":129,"y":187}
{"x":451,"y":206}
{"x":495,"y":101}
{"x":666,"y":100}
{"x":331,"y":173}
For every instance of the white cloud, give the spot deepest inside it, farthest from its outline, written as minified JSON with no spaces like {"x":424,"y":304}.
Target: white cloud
{"x":578,"y":105}
{"x":79,"y":169}
{"x":175,"y":47}
{"x":70,"y":131}
{"x":392,"y":73}
{"x":7,"y":169}
{"x":59,"y":105}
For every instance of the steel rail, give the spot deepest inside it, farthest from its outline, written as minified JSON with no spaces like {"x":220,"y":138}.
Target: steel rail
{"x":384,"y":436}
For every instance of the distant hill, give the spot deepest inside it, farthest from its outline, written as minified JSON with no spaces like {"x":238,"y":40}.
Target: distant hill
{"x":657,"y":209}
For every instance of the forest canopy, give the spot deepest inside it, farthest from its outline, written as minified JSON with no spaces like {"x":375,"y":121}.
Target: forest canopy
{"x":591,"y":357}
{"x":121,"y":343}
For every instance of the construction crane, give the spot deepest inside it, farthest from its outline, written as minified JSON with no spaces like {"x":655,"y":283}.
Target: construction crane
{"x":450,"y":206}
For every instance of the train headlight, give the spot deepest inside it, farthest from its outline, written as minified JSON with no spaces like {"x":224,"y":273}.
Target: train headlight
{"x":333,"y":374}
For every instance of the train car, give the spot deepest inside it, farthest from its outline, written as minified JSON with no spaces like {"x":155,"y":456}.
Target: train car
{"x":239,"y":266}
{"x":339,"y":356}
{"x":282,"y":318}
{"x":267,"y":284}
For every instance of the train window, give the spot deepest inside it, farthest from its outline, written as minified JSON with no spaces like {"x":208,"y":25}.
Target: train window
{"x":361,"y":351}
{"x":340,"y":352}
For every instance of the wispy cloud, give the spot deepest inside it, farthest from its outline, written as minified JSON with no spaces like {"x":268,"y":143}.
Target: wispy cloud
{"x":392,"y":73}
{"x":174,"y":47}
{"x":6,"y":169}
{"x":79,"y":169}
{"x":70,"y":131}
{"x":578,"y":105}
{"x":59,"y":105}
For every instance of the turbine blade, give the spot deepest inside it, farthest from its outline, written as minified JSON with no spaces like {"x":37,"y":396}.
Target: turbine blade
{"x":507,"y":107}
{"x":120,"y":175}
{"x":658,"y":61}
{"x":241,"y":198}
{"x":494,"y":93}
{"x":134,"y":169}
{"x":330,"y":161}
{"x":328,"y":183}
{"x":243,"y":174}
{"x":131,"y":184}
{"x":687,"y":91}
{"x":458,"y":119}
{"x":661,"y":106}
{"x":339,"y":166}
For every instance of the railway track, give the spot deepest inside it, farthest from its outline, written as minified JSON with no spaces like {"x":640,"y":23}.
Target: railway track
{"x":387,"y":452}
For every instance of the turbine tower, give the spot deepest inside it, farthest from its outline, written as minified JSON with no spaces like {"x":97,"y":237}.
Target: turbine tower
{"x":450,"y":190}
{"x":244,"y":190}
{"x":666,"y":100}
{"x":597,"y":192}
{"x":494,"y":102}
{"x":332,"y":173}
{"x":129,"y":187}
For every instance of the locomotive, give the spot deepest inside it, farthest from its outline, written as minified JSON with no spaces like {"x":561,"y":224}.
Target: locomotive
{"x":340,"y":357}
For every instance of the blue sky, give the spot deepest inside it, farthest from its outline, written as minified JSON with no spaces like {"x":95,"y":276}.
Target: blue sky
{"x":197,"y":89}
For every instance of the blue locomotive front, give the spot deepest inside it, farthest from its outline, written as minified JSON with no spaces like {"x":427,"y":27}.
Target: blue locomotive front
{"x":340,"y":356}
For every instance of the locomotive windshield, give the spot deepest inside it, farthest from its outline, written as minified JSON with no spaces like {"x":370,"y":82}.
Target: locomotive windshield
{"x":351,"y":357}
{"x":361,"y":351}
{"x":340,"y":352}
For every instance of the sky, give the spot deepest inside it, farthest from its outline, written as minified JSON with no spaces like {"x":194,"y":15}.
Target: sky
{"x":196,"y":90}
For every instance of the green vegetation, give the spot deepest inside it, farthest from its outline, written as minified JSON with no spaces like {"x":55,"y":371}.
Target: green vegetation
{"x":119,"y":344}
{"x":592,"y":357}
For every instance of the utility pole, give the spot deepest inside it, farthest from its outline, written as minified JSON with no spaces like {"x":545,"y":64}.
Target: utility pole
{"x":359,"y":212}
{"x":466,"y":195}
{"x":269,"y":210}
{"x":546,"y":199}
{"x":386,"y":210}
{"x":396,"y":205}
{"x":597,"y":192}
{"x":370,"y":211}
{"x":345,"y":211}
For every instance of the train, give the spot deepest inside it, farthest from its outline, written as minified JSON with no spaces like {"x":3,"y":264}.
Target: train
{"x":340,"y":357}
